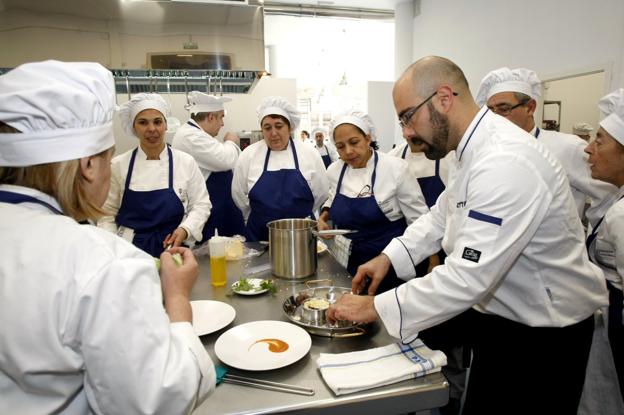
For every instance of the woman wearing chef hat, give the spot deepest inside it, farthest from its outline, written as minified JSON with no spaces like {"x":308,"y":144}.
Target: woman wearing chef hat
{"x":323,"y":146}
{"x":370,"y":192}
{"x":606,"y":242}
{"x":83,"y":324}
{"x":158,"y":196}
{"x":278,"y":177}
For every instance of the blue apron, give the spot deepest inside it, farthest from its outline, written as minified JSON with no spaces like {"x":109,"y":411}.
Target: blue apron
{"x":278,"y":194}
{"x":151,"y":214}
{"x":326,"y":159}
{"x":374,"y":229}
{"x":224,"y":214}
{"x":431,"y":186}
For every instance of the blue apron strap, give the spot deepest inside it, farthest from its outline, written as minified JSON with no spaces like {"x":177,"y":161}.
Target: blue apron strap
{"x":170,"y":166}
{"x":374,"y":172}
{"x":404,"y":152}
{"x":14,"y":198}
{"x":130,"y":167}
{"x":437,"y":168}
{"x":339,"y":185}
{"x":537,"y":131}
{"x":593,"y":235}
{"x":266,"y":159}
{"x":193,"y":125}
{"x":294,"y":151}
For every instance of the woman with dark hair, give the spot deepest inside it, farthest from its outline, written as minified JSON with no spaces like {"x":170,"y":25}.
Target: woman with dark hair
{"x":370,"y":192}
{"x":278,"y":177}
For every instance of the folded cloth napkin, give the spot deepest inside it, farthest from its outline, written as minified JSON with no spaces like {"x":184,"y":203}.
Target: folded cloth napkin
{"x":356,"y":371}
{"x":341,"y":249}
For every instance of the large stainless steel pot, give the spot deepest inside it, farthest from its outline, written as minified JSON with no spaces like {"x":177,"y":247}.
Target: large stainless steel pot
{"x":292,"y":247}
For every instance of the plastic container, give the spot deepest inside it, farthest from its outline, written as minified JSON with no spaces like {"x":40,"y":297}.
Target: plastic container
{"x":218,"y":268}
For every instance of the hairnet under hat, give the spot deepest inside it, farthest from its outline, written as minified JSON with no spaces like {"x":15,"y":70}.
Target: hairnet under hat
{"x":499,"y":80}
{"x":358,"y":118}
{"x":200,"y":102}
{"x":279,"y":106}
{"x":612,"y":105}
{"x":64,"y":111}
{"x":141,"y":102}
{"x":321,"y":130}
{"x":582,"y":128}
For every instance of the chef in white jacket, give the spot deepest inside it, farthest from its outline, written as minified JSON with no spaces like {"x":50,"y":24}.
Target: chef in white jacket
{"x":278,"y":177}
{"x":216,"y":160}
{"x":84,"y":329}
{"x":513,"y":94}
{"x":369,"y":192}
{"x":606,"y":242}
{"x":517,"y":272}
{"x":324,"y":147}
{"x":157,"y":196}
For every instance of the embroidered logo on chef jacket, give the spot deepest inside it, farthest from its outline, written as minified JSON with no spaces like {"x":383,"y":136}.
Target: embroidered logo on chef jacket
{"x":471,"y":254}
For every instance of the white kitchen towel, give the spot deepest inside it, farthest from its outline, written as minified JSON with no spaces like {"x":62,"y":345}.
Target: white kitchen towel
{"x":356,"y":371}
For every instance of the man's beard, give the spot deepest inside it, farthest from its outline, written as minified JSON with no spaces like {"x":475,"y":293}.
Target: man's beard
{"x":439,"y":123}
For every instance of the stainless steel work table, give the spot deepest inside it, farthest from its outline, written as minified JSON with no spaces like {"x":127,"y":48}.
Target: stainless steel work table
{"x":418,"y":394}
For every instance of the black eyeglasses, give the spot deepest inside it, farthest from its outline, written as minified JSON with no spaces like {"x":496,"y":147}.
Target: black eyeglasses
{"x":407,"y":115}
{"x":505,"y":109}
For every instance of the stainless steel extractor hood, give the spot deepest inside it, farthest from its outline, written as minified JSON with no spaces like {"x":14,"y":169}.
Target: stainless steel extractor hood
{"x":164,"y":46}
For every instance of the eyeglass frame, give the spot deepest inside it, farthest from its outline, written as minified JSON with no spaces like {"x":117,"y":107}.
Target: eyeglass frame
{"x":508,"y":110}
{"x":406,"y":116}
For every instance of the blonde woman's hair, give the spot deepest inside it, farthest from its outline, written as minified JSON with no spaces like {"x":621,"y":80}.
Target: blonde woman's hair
{"x":62,"y":180}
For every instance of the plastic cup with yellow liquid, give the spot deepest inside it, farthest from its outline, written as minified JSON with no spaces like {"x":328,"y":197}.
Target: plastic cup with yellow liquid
{"x":218,"y":274}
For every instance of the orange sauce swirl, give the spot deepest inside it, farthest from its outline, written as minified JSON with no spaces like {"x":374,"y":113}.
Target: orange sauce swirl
{"x":275,"y":345}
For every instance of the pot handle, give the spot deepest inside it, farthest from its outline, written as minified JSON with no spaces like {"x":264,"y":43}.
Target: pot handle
{"x":319,"y":283}
{"x":358,"y":332}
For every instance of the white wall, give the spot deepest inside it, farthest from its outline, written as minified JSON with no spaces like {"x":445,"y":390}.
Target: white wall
{"x":578,"y":97}
{"x":553,"y":37}
{"x":381,"y":110}
{"x":240,"y":112}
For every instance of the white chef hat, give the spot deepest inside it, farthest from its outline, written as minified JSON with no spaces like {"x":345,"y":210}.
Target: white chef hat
{"x":612,"y":105}
{"x":358,"y":118}
{"x":279,"y":106}
{"x":200,"y":102}
{"x":64,"y":111}
{"x":499,"y":80}
{"x":321,"y":130}
{"x":140,"y":102}
{"x":582,"y":128}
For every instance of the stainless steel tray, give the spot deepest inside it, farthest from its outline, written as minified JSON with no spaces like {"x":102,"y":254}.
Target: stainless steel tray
{"x":293,"y":308}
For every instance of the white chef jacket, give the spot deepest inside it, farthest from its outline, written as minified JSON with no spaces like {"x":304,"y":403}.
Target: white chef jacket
{"x":83,"y":326}
{"x":251,"y":164}
{"x":421,"y":166}
{"x":209,"y":153}
{"x":607,"y":249}
{"x":147,"y":175}
{"x":395,"y":192}
{"x":327,"y":150}
{"x":569,"y":149}
{"x":514,"y":241}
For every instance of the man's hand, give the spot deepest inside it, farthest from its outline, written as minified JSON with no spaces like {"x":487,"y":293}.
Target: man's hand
{"x":177,"y":282}
{"x":356,"y":308}
{"x":232,"y":137}
{"x":376,"y":269}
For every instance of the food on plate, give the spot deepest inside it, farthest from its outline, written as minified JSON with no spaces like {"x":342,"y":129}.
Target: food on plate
{"x":316,"y":303}
{"x":254,"y":284}
{"x":275,"y":345}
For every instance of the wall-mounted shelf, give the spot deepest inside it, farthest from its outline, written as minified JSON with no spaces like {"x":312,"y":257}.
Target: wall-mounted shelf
{"x":132,"y":81}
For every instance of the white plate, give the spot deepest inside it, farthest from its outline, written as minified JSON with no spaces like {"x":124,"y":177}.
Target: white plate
{"x":255,"y":282}
{"x":242,"y":346}
{"x":320,"y":247}
{"x":210,"y":316}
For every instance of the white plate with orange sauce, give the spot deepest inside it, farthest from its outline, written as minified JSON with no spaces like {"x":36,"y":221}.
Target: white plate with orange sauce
{"x":263,"y":345}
